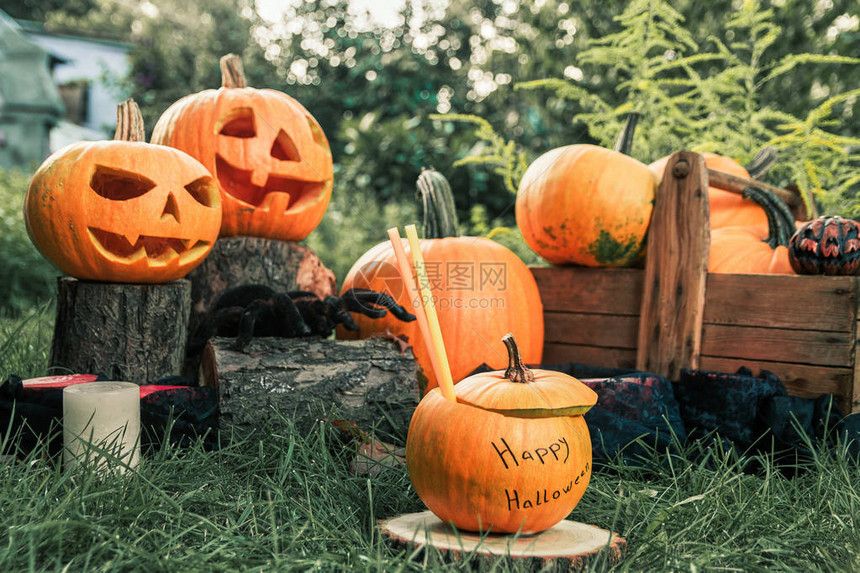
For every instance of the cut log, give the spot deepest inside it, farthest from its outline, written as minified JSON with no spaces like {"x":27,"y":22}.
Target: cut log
{"x":128,"y":332}
{"x":368,"y":382}
{"x":567,"y":546}
{"x":234,"y":261}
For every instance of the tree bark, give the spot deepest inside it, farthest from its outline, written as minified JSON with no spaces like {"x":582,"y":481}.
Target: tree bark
{"x":236,"y":261}
{"x":128,"y":332}
{"x":368,"y":382}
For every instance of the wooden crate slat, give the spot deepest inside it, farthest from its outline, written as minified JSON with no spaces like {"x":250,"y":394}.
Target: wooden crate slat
{"x":799,"y":379}
{"x":591,"y":329}
{"x":556,"y":353}
{"x":779,"y":344}
{"x":855,"y":391}
{"x":676,"y":270}
{"x":580,"y":289}
{"x":782,"y":301}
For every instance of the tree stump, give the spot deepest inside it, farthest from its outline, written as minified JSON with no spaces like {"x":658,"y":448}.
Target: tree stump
{"x":369,"y":382}
{"x":234,"y":261}
{"x":567,"y":546}
{"x":128,"y":332}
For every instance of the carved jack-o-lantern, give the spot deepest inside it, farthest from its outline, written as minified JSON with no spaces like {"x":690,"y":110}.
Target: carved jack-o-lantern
{"x":268,"y":154}
{"x":123,"y":210}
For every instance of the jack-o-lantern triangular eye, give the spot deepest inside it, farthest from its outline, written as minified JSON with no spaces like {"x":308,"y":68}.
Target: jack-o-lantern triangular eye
{"x":204,"y":191}
{"x":119,"y":185}
{"x":317,"y":132}
{"x":284,"y":148}
{"x":238,"y":123}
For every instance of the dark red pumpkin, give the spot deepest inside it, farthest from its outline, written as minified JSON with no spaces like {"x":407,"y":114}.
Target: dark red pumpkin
{"x":826,"y":246}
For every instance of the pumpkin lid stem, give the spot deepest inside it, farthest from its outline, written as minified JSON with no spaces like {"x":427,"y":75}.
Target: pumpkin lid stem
{"x":624,"y":143}
{"x":232,"y":72}
{"x":517,"y":371}
{"x":129,"y":122}
{"x":440,"y":214}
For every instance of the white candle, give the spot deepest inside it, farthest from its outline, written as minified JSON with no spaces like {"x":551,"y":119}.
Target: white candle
{"x":101,"y":423}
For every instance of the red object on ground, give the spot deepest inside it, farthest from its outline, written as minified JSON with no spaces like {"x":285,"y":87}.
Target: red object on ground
{"x":71,"y":379}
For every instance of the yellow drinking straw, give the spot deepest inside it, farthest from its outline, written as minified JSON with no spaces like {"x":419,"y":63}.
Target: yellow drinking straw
{"x":436,"y":344}
{"x":414,"y":296}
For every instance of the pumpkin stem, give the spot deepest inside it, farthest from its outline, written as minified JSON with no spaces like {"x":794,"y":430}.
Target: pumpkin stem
{"x":780,"y":222}
{"x":129,"y":122}
{"x":624,"y":143}
{"x":440,"y":214}
{"x":517,"y":370}
{"x":762,"y":162}
{"x":232,"y":72}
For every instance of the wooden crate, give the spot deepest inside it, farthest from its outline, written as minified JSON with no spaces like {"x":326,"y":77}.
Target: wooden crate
{"x":804,"y":329}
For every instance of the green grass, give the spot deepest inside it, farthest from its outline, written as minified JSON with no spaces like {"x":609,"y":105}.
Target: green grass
{"x":25,"y":342}
{"x":285,"y":500}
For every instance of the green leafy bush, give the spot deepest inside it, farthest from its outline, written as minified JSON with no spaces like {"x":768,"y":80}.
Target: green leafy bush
{"x":28,"y":277}
{"x":704,"y":94}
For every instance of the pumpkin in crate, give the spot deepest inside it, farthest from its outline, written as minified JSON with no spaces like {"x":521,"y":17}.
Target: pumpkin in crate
{"x":587,"y":205}
{"x":481,"y":290}
{"x":512,"y":454}
{"x":268,"y":154}
{"x":751,"y":250}
{"x":123,"y":210}
{"x":826,"y":246}
{"x":727,"y":209}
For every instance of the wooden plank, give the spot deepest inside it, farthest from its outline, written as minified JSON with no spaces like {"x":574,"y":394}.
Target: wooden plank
{"x":581,"y":289}
{"x":779,"y":345}
{"x":591,"y":329}
{"x":676,"y":270}
{"x":855,"y":382}
{"x":557,"y":353}
{"x":782,"y":301}
{"x":735,"y":184}
{"x":799,"y":379}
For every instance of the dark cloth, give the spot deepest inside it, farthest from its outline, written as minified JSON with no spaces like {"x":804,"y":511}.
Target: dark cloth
{"x":182,"y":414}
{"x":635,"y":410}
{"x":638,"y":411}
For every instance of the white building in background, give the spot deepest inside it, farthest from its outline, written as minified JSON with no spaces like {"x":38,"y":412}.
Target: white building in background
{"x":90,"y":73}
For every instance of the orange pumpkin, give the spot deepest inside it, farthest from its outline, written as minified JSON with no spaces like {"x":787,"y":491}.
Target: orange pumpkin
{"x":482,"y":290}
{"x":727,"y":209}
{"x":269,"y":155}
{"x":586,"y":205}
{"x":750,"y":250}
{"x":512,"y":454}
{"x":123,"y":210}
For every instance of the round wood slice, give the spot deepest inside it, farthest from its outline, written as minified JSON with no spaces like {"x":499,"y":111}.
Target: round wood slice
{"x":567,"y":546}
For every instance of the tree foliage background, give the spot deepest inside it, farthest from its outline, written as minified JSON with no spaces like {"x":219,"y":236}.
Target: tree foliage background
{"x":375,"y":88}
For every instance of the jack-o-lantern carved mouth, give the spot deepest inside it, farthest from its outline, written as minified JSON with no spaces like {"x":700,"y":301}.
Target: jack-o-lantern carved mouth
{"x":158,"y":251}
{"x":279,"y":191}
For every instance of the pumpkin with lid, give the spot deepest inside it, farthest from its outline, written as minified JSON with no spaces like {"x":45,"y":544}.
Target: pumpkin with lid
{"x":512,"y":454}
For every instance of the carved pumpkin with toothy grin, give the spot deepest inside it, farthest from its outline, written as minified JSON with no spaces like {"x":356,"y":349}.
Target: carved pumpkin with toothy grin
{"x":123,"y":210}
{"x":269,"y":155}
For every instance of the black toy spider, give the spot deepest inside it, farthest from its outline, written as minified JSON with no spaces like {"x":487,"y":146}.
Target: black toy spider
{"x":258,"y":310}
